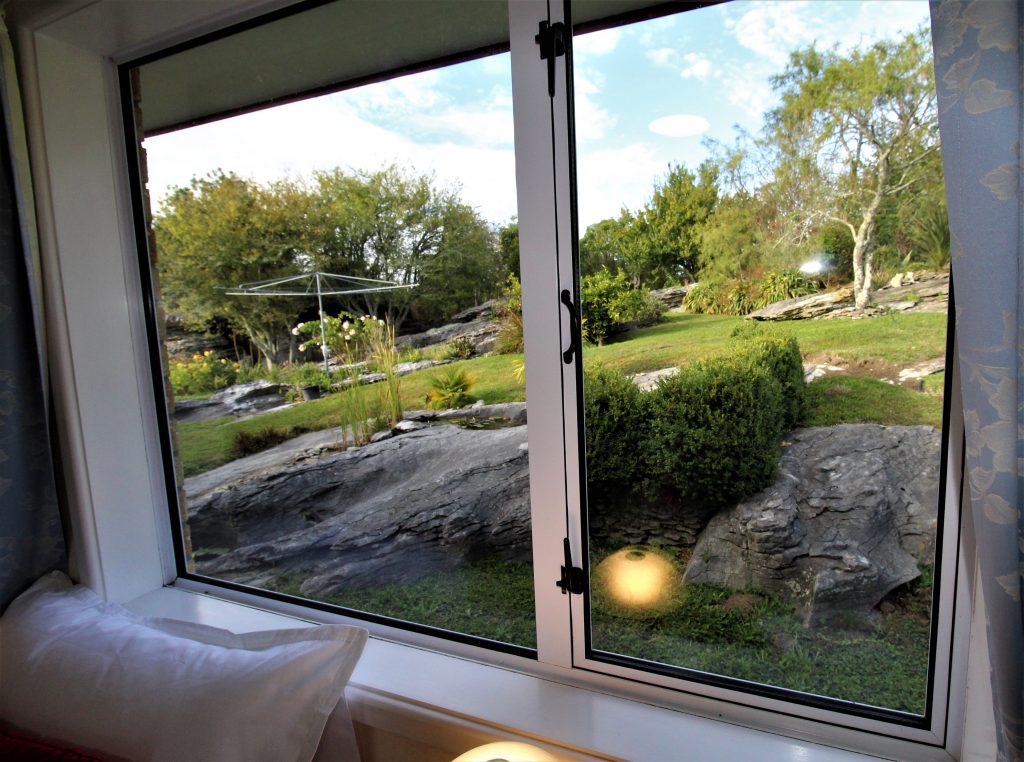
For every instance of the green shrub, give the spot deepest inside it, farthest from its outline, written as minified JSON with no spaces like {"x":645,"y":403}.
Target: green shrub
{"x":616,"y":418}
{"x":313,"y":374}
{"x":636,"y":306}
{"x":707,"y":297}
{"x":459,"y":349}
{"x":510,"y":317}
{"x":742,"y":297}
{"x":202,"y":374}
{"x":780,"y":355}
{"x":610,"y":303}
{"x":451,"y":389}
{"x":715,"y":430}
{"x":783,"y":284}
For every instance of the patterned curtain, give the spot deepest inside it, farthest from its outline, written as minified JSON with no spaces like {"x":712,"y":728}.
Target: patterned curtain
{"x":31,"y":538}
{"x":978,"y":77}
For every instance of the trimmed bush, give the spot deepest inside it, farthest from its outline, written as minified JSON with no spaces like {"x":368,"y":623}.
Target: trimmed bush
{"x":780,"y":355}
{"x":616,"y":418}
{"x":715,"y":430}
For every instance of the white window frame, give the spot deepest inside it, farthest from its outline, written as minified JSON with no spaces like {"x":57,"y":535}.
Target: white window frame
{"x":111,"y":451}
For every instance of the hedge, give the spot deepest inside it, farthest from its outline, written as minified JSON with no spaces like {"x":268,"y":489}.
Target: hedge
{"x":710,"y":434}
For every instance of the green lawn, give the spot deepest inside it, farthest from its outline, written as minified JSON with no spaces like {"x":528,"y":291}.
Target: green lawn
{"x":682,"y":338}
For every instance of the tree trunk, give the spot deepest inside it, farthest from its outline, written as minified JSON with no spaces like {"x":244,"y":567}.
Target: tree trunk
{"x":864,"y":239}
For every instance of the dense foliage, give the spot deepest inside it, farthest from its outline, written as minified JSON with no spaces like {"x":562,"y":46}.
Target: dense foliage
{"x":224,"y":230}
{"x":610,"y":305}
{"x":710,"y":434}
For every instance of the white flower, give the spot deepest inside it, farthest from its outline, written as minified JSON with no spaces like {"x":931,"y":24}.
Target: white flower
{"x":345,"y":325}
{"x":347,"y":338}
{"x":295,"y":331}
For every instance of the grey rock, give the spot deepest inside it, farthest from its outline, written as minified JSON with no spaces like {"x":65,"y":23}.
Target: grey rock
{"x":394,"y":511}
{"x":488,"y":310}
{"x":240,"y":399}
{"x":482,"y":332}
{"x":909,"y":292}
{"x":649,"y":380}
{"x":849,"y":519}
{"x":671,"y":297}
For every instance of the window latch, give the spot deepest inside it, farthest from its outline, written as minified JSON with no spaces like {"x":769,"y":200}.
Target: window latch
{"x":551,"y":39}
{"x":572,"y":580}
{"x":574,"y":329}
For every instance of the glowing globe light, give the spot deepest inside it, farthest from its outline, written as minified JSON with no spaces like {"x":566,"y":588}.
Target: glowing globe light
{"x":814,"y":267}
{"x":506,"y":751}
{"x":639,"y":579}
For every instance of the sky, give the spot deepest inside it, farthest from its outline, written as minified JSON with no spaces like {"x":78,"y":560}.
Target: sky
{"x":647,"y":96}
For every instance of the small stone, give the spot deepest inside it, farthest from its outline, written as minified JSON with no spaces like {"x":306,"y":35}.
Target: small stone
{"x":380,"y":436}
{"x":783,"y":641}
{"x":404,"y":427}
{"x":886,"y":607}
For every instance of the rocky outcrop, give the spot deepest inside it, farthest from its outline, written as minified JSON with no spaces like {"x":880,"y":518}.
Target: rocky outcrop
{"x":851,"y":514}
{"x":237,"y":400}
{"x":907,"y":292}
{"x":671,"y":297}
{"x":481,"y":331}
{"x":395,"y":510}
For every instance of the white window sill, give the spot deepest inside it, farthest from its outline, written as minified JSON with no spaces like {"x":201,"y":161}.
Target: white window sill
{"x":396,"y":684}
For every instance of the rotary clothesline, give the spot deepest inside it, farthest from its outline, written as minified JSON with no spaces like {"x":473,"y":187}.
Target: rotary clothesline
{"x":315,"y":283}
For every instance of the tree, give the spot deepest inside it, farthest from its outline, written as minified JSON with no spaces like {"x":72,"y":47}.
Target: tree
{"x":852,"y":131}
{"x":399,"y":227}
{"x":223,"y":231}
{"x":508,"y":247}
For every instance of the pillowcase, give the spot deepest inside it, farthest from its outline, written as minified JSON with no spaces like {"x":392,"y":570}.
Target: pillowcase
{"x":78,"y":669}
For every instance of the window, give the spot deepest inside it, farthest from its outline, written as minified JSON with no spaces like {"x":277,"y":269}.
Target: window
{"x":367,"y":259}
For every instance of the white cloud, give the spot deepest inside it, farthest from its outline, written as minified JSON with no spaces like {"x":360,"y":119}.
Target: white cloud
{"x":680,"y":126}
{"x":596,"y":43}
{"x":662,"y":56}
{"x":772,"y":30}
{"x":699,"y":66}
{"x":748,"y":88}
{"x":612,"y":178}
{"x":592,"y":121}
{"x":329,"y":132}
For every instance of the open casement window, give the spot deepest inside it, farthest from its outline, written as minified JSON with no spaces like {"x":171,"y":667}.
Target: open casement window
{"x":717,"y":534}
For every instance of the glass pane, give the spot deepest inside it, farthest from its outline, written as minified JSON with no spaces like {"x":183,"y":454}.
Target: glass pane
{"x":343,"y":339}
{"x":764,"y":269}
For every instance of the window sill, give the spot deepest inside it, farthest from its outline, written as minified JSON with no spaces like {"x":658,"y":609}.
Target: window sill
{"x":395,"y":688}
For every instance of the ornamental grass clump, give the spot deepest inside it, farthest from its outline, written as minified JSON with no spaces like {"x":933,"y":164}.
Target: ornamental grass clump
{"x":451,"y":389}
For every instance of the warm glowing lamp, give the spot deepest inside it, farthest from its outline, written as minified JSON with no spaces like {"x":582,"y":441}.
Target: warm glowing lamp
{"x":506,"y":751}
{"x":639,"y":579}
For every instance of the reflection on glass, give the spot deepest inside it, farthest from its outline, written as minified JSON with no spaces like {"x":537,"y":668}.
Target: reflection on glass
{"x":766,"y":315}
{"x":344,"y":349}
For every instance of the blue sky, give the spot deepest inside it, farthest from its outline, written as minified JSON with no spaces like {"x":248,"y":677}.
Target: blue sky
{"x":647,"y":95}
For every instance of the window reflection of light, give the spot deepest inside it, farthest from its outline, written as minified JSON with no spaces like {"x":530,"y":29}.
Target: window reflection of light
{"x":639,"y":578}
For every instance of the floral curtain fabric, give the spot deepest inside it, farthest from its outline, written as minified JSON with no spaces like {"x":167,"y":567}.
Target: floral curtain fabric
{"x":31,"y":537}
{"x":978,"y":79}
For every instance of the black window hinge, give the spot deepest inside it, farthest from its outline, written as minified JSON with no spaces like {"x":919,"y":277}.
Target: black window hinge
{"x":572,"y":580}
{"x":551,"y":38}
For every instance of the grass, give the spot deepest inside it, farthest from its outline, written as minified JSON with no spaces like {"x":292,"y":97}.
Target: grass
{"x":682,"y":338}
{"x":494,"y":600}
{"x":857,"y":399}
{"x":491,"y":599}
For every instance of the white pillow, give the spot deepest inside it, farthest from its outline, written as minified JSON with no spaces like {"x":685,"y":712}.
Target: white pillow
{"x":80,"y":670}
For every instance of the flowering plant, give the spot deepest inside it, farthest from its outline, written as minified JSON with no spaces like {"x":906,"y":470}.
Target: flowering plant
{"x":202,"y":373}
{"x":347,"y":336}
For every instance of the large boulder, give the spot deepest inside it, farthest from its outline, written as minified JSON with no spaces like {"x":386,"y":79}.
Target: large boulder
{"x":392,"y":511}
{"x":240,"y":399}
{"x":850,"y":517}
